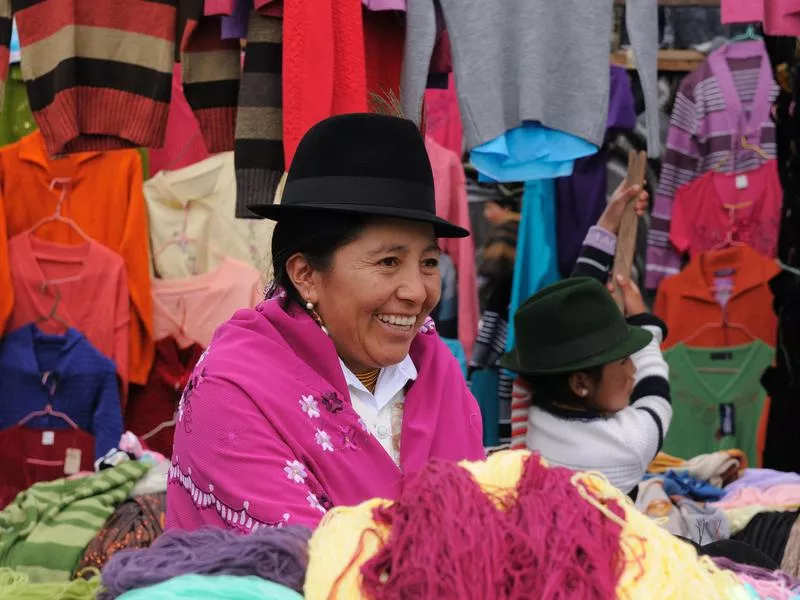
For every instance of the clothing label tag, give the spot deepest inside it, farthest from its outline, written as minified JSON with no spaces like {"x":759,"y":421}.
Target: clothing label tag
{"x":727,"y":419}
{"x":72,"y":462}
{"x":722,"y":356}
{"x":741,"y":182}
{"x":48,"y":438}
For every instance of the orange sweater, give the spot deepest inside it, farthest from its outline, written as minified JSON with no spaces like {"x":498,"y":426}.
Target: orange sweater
{"x":686,"y":302}
{"x":105,"y":198}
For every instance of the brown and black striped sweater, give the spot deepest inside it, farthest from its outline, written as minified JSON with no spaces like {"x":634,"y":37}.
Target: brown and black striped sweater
{"x":99,"y":72}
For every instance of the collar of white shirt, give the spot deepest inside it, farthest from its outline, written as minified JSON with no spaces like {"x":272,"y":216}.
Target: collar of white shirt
{"x":391,"y":380}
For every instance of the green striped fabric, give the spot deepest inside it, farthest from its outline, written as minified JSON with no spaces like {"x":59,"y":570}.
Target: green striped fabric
{"x":44,"y":531}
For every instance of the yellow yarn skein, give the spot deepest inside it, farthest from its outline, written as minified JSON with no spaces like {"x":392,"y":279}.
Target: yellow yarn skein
{"x":658,"y":566}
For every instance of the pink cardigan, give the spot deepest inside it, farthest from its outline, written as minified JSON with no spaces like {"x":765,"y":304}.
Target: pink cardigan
{"x":266,"y":434}
{"x":451,"y":205}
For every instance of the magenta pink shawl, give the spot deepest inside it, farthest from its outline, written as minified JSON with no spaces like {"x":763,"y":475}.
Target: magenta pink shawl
{"x":266,"y":435}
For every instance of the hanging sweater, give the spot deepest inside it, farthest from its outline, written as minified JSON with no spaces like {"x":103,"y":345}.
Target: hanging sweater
{"x":530,"y":60}
{"x":104,"y":197}
{"x":99,"y":74}
{"x":451,"y":205}
{"x":67,"y":372}
{"x":727,"y":97}
{"x":47,"y":526}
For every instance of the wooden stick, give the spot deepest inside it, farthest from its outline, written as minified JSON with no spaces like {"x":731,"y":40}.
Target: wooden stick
{"x":628,"y":226}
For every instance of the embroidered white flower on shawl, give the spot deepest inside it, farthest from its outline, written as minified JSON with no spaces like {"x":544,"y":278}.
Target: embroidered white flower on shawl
{"x":296,"y":471}
{"x":324,"y":440}
{"x":314,"y":503}
{"x":310,"y":406}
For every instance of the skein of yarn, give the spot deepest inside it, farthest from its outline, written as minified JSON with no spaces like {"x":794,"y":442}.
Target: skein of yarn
{"x":447,"y":537}
{"x":752,"y":572}
{"x":543,"y":517}
{"x":17,"y":586}
{"x":216,"y":587}
{"x":277,"y":555}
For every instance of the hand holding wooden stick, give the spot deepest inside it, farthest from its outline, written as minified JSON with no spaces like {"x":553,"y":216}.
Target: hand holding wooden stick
{"x":629,"y":221}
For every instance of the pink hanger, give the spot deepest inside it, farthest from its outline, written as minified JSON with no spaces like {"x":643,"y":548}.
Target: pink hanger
{"x":57,"y":217}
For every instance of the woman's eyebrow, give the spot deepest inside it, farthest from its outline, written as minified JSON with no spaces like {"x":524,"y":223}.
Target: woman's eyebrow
{"x":389,"y":249}
{"x":434,"y":247}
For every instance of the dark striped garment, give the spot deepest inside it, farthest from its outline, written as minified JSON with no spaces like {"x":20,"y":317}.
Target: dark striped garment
{"x":701,"y":135}
{"x":99,"y":72}
{"x":259,"y":125}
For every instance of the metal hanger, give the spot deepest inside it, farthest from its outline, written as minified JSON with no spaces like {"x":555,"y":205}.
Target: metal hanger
{"x":57,"y":217}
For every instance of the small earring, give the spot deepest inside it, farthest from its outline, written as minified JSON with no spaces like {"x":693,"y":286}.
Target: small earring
{"x":584,"y":393}
{"x":315,"y":315}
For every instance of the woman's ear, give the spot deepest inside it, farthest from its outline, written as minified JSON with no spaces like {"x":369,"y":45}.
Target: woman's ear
{"x":580,"y":384}
{"x":301,"y":274}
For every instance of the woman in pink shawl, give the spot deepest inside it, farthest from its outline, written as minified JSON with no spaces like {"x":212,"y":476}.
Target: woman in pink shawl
{"x":335,"y":386}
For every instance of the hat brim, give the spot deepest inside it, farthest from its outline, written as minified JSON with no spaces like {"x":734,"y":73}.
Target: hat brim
{"x":637,"y":339}
{"x":441,"y":228}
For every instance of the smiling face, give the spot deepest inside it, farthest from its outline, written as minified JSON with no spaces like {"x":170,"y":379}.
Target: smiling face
{"x":377,"y":291}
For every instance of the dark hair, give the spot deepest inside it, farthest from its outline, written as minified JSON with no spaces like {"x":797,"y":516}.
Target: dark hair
{"x":317,"y":236}
{"x":547,"y":390}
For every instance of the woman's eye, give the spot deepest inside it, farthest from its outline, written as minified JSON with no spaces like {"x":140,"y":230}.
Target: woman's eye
{"x":389,"y":261}
{"x":431,"y":263}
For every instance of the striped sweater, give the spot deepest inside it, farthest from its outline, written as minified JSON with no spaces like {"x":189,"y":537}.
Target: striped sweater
{"x":46,"y":528}
{"x":623,"y":445}
{"x":99,"y":74}
{"x":727,"y":97}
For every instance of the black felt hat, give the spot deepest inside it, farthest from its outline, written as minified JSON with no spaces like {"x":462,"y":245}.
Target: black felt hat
{"x":365,"y":164}
{"x":570,"y":326}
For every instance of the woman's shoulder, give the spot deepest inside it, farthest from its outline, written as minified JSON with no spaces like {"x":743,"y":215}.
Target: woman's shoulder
{"x":250,"y":351}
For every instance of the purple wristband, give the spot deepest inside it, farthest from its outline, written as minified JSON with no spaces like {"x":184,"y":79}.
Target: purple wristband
{"x":602,"y":240}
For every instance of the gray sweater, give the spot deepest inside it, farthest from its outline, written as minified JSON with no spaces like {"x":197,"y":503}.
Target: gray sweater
{"x":531,"y":60}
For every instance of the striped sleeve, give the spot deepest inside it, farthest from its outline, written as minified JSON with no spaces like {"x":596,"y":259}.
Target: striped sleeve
{"x":597,"y":255}
{"x":211,"y":70}
{"x":5,"y":42}
{"x":645,"y":422}
{"x":259,"y":120}
{"x":520,"y":405}
{"x":679,"y":166}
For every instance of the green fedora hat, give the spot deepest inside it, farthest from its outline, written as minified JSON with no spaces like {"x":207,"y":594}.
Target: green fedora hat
{"x":570,"y":326}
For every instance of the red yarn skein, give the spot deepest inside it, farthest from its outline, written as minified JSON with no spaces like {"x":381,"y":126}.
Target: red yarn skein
{"x":449,"y":540}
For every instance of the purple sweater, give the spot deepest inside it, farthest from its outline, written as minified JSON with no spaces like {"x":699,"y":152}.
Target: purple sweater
{"x":727,"y":97}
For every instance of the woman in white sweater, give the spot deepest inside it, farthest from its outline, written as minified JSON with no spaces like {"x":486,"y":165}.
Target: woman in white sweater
{"x":593,"y":392}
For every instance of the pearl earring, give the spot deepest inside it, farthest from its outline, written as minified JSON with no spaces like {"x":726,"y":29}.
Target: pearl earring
{"x":309,"y":306}
{"x":584,"y":393}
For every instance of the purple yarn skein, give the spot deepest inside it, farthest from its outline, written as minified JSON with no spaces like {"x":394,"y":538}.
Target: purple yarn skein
{"x":278,"y":555}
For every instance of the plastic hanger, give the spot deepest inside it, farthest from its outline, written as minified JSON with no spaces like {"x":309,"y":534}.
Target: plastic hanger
{"x":746,"y":146}
{"x":156,"y":429}
{"x":57,"y":217}
{"x":48,"y":411}
{"x":748,"y":35}
{"x":53,"y":314}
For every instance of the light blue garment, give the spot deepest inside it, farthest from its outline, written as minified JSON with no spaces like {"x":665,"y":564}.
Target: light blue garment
{"x":213,"y":587}
{"x":14,"y":47}
{"x":458,"y":351}
{"x":529,"y":152}
{"x":536,"y":264}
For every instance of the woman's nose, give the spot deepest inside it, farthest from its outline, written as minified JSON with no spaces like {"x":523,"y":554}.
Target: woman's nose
{"x":412,"y":289}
